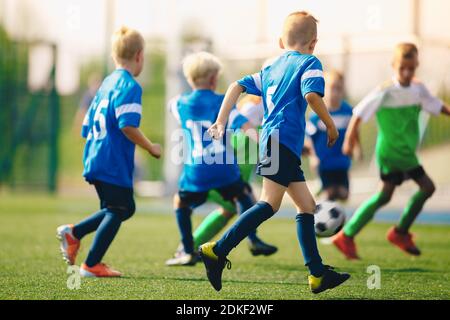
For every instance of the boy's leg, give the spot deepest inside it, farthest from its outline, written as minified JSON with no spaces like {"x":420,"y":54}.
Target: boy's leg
{"x":183,"y":204}
{"x":322,"y":277}
{"x":89,"y":225}
{"x":211,"y":226}
{"x":400,"y":235}
{"x":306,"y":206}
{"x":215,"y":221}
{"x":367,"y":210}
{"x":119,"y":207}
{"x":416,"y":203}
{"x":271,"y":197}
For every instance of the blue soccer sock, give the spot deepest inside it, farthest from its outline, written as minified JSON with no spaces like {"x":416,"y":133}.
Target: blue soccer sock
{"x":185,"y":227}
{"x":247,"y":222}
{"x":307,"y":238}
{"x":245,"y":202}
{"x":104,"y":236}
{"x":88,"y":225}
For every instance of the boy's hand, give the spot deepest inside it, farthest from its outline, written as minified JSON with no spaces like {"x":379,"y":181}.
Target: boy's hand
{"x":333,"y":135}
{"x":347,"y":148}
{"x":155,"y":150}
{"x":217,"y":131}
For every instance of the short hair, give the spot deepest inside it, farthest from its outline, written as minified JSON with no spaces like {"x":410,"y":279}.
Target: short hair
{"x":198,"y":67}
{"x":406,"y":50}
{"x":126,"y":43}
{"x":300,"y":27}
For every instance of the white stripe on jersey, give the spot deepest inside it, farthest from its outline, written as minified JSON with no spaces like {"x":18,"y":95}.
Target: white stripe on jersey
{"x":257,"y":78}
{"x":128,"y":108}
{"x":86,"y":120}
{"x":315,"y":73}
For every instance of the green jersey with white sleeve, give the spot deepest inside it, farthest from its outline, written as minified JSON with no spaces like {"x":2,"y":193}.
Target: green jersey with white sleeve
{"x":397,"y":110}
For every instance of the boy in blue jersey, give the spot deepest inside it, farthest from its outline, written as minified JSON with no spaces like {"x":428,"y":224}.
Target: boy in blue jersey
{"x":291,"y":82}
{"x":332,"y":164}
{"x":111,"y":127}
{"x":208,"y":164}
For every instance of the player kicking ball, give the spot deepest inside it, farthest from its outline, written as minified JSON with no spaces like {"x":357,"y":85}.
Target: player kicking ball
{"x":111,"y":127}
{"x":287,"y":86}
{"x":209,"y":165}
{"x":397,"y":105}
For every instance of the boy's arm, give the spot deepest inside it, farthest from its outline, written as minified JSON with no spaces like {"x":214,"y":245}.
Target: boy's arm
{"x":136,"y":136}
{"x":217,"y":130}
{"x":315,"y":101}
{"x":352,"y":136}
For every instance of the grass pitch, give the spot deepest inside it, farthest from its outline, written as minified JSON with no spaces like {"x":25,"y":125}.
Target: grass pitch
{"x":31,"y":266}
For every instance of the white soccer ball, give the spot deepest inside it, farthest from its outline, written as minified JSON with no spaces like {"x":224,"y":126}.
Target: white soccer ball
{"x":329,"y":219}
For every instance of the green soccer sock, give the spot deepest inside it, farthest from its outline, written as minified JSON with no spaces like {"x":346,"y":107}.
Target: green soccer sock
{"x":210,"y":227}
{"x":412,"y":210}
{"x":365,"y":213}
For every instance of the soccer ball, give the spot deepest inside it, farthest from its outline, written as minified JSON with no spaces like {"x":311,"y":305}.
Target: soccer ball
{"x":329,"y":219}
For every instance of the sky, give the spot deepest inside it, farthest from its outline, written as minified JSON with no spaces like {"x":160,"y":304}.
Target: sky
{"x":236,"y":26}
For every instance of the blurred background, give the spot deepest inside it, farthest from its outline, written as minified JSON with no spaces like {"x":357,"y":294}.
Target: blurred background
{"x":54,"y":54}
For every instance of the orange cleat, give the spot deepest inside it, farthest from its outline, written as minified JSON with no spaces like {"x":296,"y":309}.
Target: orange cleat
{"x":69,"y":244}
{"x":404,"y":241}
{"x":346,"y":245}
{"x":100,"y":270}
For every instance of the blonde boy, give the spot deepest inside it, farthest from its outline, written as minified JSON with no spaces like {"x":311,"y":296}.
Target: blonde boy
{"x":287,"y":86}
{"x":111,"y":128}
{"x":209,"y":165}
{"x":397,"y":105}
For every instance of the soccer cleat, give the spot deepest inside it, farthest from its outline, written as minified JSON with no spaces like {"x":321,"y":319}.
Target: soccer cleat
{"x":404,"y":241}
{"x":183,"y":259}
{"x":330,"y":279}
{"x":69,"y":244}
{"x":100,"y":270}
{"x":214,"y":265}
{"x":258,"y":248}
{"x":346,"y":245}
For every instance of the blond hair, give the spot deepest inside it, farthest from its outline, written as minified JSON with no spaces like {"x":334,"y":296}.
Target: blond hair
{"x":405,"y":50}
{"x":299,"y":28}
{"x":126,"y":43}
{"x":199,"y":67}
{"x":334,"y":75}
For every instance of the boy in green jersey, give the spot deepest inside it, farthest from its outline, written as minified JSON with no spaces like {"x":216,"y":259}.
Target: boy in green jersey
{"x":396,"y":105}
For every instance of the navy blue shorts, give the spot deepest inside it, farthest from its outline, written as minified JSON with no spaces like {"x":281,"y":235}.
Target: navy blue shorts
{"x":116,"y":199}
{"x":334,"y":178}
{"x":286,"y":166}
{"x":229,"y":192}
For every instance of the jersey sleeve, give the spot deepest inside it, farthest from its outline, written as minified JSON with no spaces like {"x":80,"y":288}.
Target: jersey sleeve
{"x":252,"y":84}
{"x":430,"y":103}
{"x":236,"y":120}
{"x":369,"y":105}
{"x":312,"y":79}
{"x":128,"y":108}
{"x":173,"y":109}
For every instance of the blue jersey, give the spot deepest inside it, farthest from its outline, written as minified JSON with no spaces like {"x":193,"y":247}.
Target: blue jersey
{"x":208,"y":163}
{"x":109,"y":154}
{"x":283,"y":86}
{"x":331,"y":158}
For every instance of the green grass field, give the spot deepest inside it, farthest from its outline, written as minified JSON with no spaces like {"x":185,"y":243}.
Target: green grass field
{"x":31,"y":267}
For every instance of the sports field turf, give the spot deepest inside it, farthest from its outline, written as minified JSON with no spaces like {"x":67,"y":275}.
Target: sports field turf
{"x":31,"y":267}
